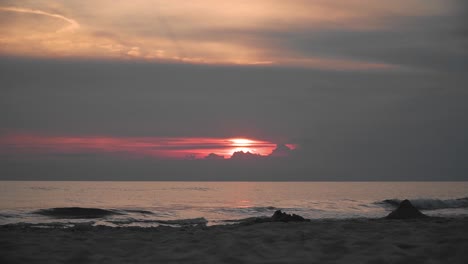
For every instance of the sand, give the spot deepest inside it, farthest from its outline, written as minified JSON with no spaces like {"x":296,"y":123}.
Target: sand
{"x":319,"y":241}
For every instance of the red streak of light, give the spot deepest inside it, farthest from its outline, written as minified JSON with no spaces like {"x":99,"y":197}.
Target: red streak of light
{"x":161,"y":147}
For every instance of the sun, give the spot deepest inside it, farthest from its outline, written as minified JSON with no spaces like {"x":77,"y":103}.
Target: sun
{"x":241,"y":142}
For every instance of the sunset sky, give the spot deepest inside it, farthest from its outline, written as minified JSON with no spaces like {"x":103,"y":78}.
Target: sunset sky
{"x":358,"y":89}
{"x":265,"y":32}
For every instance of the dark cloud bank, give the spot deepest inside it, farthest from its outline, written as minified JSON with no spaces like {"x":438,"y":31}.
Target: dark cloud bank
{"x":395,"y":125}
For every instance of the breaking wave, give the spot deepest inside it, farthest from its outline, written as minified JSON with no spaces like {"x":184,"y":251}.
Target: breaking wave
{"x":176,"y":222}
{"x":76,"y":212}
{"x":121,"y":217}
{"x":430,"y":204}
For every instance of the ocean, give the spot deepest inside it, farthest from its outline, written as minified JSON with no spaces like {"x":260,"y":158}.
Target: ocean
{"x":149,"y":204}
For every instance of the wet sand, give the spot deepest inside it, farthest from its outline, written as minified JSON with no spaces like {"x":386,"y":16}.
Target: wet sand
{"x":432,"y":240}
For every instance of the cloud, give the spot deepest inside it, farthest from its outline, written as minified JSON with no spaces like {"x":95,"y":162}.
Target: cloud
{"x":213,"y":156}
{"x":281,"y":150}
{"x":418,"y":43}
{"x":462,"y":19}
{"x":134,"y":51}
{"x":366,"y":126}
{"x":73,"y":24}
{"x":241,"y":155}
{"x":295,"y":33}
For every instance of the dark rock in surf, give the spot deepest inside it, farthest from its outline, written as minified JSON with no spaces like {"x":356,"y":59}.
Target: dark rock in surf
{"x":279,"y":216}
{"x":75,"y":212}
{"x":406,"y":211}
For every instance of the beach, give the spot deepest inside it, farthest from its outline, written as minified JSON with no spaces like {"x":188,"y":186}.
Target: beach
{"x":428,"y":240}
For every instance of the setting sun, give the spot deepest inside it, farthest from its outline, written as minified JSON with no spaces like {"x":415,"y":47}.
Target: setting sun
{"x":241,"y":142}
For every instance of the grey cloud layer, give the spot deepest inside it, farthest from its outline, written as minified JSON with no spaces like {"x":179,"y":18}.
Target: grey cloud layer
{"x":349,"y":125}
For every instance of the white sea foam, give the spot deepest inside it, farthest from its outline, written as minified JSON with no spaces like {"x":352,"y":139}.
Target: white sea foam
{"x":431,"y":204}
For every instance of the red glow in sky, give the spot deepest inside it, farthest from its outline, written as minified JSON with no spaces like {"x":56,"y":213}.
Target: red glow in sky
{"x":158,"y":147}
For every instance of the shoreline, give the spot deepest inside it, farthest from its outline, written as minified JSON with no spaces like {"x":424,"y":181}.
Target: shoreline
{"x":357,"y":240}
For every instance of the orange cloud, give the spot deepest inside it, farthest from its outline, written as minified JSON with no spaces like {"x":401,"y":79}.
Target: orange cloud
{"x":73,"y":25}
{"x":189,"y":31}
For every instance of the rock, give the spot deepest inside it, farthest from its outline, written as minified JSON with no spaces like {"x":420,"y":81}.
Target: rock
{"x":279,"y":216}
{"x":405,"y":211}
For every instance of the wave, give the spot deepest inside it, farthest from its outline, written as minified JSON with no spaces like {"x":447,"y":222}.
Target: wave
{"x":46,"y":188}
{"x":249,"y":210}
{"x":76,"y":212}
{"x":184,"y":222}
{"x":5,"y":216}
{"x":143,"y":212}
{"x":203,"y":189}
{"x":430,"y":204}
{"x":114,"y":216}
{"x":176,"y":222}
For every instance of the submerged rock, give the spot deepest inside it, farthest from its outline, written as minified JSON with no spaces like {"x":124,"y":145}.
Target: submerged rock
{"x":405,"y":211}
{"x":279,"y":216}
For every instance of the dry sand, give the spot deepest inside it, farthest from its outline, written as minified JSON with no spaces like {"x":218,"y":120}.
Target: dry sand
{"x":325,"y":241}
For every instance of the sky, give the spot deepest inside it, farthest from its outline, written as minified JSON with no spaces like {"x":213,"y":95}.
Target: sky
{"x":245,"y":90}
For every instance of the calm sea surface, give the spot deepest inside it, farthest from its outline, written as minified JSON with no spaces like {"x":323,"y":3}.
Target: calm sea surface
{"x":175,"y":203}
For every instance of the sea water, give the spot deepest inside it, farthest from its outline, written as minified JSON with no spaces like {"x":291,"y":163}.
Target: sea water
{"x":180,"y":203}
